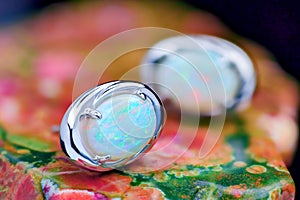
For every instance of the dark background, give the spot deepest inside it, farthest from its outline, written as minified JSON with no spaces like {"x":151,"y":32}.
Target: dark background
{"x":274,"y":24}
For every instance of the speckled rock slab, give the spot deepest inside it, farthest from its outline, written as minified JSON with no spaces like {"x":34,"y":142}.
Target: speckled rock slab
{"x":40,"y":57}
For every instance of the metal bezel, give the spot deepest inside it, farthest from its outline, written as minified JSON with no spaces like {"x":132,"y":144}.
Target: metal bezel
{"x":70,"y":140}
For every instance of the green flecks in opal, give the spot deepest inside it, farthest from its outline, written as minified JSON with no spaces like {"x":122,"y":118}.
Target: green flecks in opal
{"x":127,"y":124}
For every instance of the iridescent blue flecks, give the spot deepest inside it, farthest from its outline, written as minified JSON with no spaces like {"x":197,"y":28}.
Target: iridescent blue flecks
{"x":128,"y":122}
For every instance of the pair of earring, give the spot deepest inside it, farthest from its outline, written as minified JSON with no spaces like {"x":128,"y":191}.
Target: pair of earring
{"x":113,"y":124}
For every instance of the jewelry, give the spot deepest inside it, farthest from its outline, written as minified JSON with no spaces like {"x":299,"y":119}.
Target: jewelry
{"x":114,"y":123}
{"x":215,"y":72}
{"x":111,"y":125}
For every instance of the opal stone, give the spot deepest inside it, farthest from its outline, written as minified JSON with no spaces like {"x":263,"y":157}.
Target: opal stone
{"x":204,"y":72}
{"x":203,"y":83}
{"x":127,"y":124}
{"x":111,"y":125}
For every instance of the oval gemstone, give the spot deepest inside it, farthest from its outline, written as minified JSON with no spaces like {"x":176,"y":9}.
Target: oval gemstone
{"x":203,"y":72}
{"x":127,"y":123}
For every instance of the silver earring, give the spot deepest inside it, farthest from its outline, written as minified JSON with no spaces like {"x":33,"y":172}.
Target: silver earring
{"x":111,"y":125}
{"x":215,"y":71}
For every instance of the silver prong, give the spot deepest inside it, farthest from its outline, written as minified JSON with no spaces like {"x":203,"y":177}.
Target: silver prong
{"x":140,"y":94}
{"x":102,"y":159}
{"x":91,"y":113}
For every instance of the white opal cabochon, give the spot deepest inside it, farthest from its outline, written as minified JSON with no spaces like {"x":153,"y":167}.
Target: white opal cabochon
{"x":127,"y":124}
{"x":111,"y":125}
{"x":200,"y":71}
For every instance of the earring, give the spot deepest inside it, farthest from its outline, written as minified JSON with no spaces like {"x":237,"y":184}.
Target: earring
{"x":215,"y":72}
{"x":111,"y":125}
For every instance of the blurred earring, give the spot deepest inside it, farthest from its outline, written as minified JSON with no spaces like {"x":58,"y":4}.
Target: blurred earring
{"x":215,"y":72}
{"x":111,"y":125}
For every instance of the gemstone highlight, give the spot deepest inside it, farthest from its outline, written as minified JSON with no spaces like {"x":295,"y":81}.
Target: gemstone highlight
{"x":126,"y":126}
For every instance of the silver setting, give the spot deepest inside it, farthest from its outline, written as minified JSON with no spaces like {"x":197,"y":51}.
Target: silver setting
{"x":141,"y":95}
{"x":91,"y":113}
{"x":85,"y":107}
{"x":102,"y":159}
